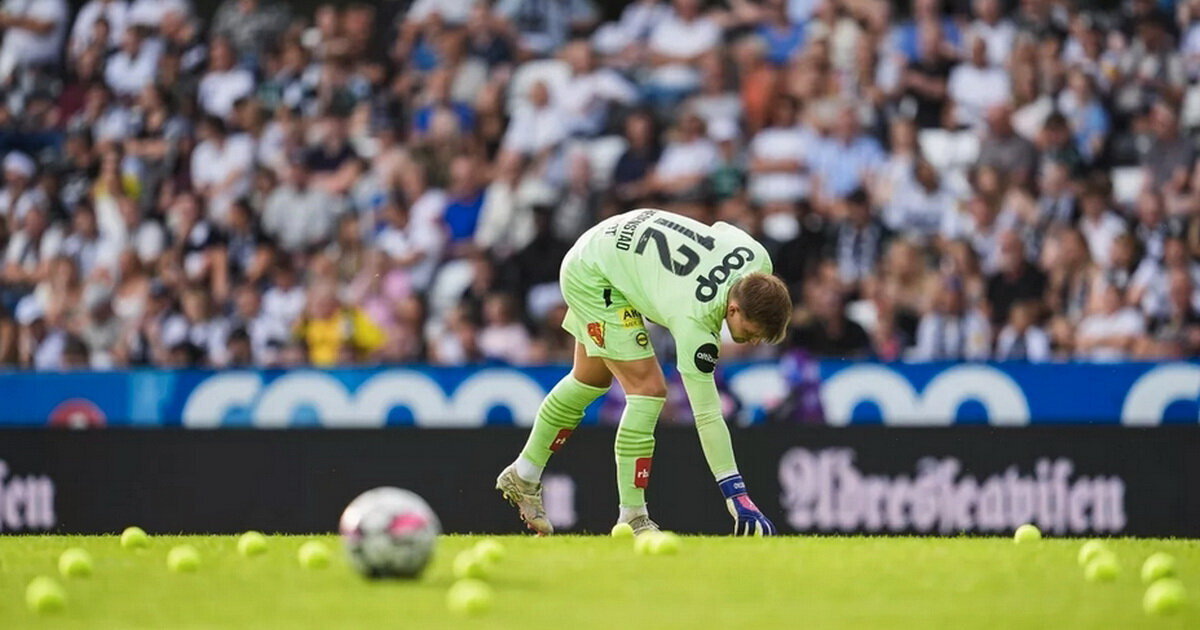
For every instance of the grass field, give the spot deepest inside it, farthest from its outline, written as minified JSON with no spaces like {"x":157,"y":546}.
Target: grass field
{"x":580,"y":583}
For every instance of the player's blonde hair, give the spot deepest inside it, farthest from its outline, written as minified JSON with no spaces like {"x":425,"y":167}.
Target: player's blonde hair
{"x":765,"y":300}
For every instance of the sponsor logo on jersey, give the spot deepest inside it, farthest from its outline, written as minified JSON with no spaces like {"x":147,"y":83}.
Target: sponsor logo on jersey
{"x":706,"y":358}
{"x":707,"y":284}
{"x":596,"y":332}
{"x":641,"y":472}
{"x":560,"y":439}
{"x":630,"y":318}
{"x":642,"y":339}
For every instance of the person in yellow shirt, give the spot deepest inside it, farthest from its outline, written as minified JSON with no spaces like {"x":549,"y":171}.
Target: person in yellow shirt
{"x":335,"y":333}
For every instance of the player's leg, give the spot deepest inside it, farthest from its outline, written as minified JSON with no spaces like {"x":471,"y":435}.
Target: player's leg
{"x":557,"y":417}
{"x":645,"y":393}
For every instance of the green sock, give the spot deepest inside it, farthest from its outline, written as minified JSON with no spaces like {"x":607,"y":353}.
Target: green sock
{"x":557,"y":417}
{"x":635,"y":447}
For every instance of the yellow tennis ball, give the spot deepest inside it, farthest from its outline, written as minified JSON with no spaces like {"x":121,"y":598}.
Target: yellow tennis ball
{"x":1157,"y":566}
{"x":75,"y":562}
{"x":1164,"y":597}
{"x":44,"y":595}
{"x":1089,"y":550}
{"x":1027,"y":533}
{"x":252,"y":544}
{"x":134,"y":538}
{"x":1102,"y":568}
{"x":183,"y":559}
{"x":490,"y":550}
{"x":622,"y":530}
{"x":469,"y":597}
{"x":313,"y":554}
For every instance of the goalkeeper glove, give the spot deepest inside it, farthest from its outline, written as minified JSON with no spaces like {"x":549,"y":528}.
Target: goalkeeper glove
{"x":748,"y":520}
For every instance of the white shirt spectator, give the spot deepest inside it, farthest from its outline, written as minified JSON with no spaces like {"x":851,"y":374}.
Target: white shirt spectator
{"x":127,"y":75}
{"x":947,"y":338}
{"x":421,"y":237}
{"x":682,"y":159}
{"x":1033,"y":345}
{"x":115,"y":12}
{"x":23,"y":47}
{"x":298,"y":219}
{"x":917,"y":212}
{"x":780,"y":143}
{"x":584,"y":99}
{"x":218,"y":91}
{"x":19,"y":207}
{"x":674,"y":37}
{"x":283,"y":306}
{"x":973,"y":90}
{"x":1125,"y":322}
{"x":27,"y":253}
{"x":999,"y":38}
{"x":1100,"y":234}
{"x":507,"y":342}
{"x":151,"y":12}
{"x":214,"y":166}
{"x":209,"y":335}
{"x":451,"y":11}
{"x":637,"y":21}
{"x":533,"y":130}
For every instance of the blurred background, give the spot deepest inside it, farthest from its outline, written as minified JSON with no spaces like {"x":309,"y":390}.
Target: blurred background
{"x":310,"y":215}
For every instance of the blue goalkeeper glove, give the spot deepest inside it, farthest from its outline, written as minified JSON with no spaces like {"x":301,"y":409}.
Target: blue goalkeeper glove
{"x":748,"y":520}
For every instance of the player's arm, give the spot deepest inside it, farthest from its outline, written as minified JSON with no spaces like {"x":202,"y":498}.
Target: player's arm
{"x":698,"y":352}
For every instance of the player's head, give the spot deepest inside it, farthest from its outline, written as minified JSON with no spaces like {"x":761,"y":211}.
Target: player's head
{"x":759,"y":309}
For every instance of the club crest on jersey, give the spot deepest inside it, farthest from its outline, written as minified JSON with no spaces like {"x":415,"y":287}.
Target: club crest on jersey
{"x":596,"y":332}
{"x":642,"y":339}
{"x":706,"y":358}
{"x":630,"y":318}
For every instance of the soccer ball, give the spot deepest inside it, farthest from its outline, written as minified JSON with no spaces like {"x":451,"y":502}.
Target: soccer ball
{"x":389,"y":532}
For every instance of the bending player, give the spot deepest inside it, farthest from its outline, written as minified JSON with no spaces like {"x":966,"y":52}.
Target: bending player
{"x":686,"y":276}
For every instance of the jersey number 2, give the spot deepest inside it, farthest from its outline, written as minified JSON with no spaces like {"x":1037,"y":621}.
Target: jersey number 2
{"x":691,"y":258}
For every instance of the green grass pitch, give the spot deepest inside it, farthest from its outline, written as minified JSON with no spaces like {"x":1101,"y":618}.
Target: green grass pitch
{"x":585,"y":582}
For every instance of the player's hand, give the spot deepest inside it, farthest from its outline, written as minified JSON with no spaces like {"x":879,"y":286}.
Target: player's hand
{"x":747,"y":519}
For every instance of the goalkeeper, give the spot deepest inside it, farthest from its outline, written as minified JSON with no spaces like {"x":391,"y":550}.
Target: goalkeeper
{"x":688,"y":277}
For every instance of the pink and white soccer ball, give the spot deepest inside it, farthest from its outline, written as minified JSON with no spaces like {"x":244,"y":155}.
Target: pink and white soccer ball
{"x":389,"y":532}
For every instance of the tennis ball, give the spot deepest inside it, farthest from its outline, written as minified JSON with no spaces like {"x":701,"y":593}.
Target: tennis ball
{"x":1027,"y":533}
{"x":1102,"y":568}
{"x":468,"y":564}
{"x":489,"y":550}
{"x":1089,"y":550}
{"x":1164,"y":597}
{"x":642,"y":543}
{"x":313,"y":555}
{"x":469,"y":597}
{"x":75,"y":562}
{"x":622,"y":530}
{"x":252,"y":544}
{"x":183,"y":559}
{"x":44,"y":595}
{"x":134,"y":538}
{"x":664,"y":544}
{"x":1158,"y":565}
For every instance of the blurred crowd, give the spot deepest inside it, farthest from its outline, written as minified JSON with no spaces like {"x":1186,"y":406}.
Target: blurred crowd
{"x":399,"y":181}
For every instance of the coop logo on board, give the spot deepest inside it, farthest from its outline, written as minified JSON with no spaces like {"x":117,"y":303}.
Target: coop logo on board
{"x":825,"y":490}
{"x":26,"y":501}
{"x":330,"y":402}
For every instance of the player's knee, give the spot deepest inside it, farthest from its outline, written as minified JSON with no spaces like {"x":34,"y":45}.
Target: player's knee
{"x":651,"y":385}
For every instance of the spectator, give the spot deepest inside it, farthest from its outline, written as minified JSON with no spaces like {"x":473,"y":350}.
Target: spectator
{"x":951,"y":331}
{"x":298,"y":215}
{"x":686,"y":161}
{"x":542,"y":27}
{"x":676,"y":44}
{"x":975,"y":86}
{"x":922,"y":86}
{"x":777,"y":156}
{"x":1004,"y":150}
{"x":1021,"y":339}
{"x":859,"y":239}
{"x":335,"y":333}
{"x":250,"y":24}
{"x":537,"y":127}
{"x":846,"y":159}
{"x":221,"y":166}
{"x":586,"y":99}
{"x":224,"y":83}
{"x":33,"y":36}
{"x":1015,"y":281}
{"x":826,"y":331}
{"x":503,"y":338}
{"x":1110,"y":332}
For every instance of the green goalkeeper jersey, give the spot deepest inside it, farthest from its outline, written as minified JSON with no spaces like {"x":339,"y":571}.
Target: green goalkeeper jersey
{"x":677,"y":272}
